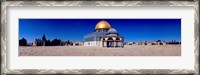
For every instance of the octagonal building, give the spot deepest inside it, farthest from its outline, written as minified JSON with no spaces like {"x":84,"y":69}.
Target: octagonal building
{"x":103,"y":36}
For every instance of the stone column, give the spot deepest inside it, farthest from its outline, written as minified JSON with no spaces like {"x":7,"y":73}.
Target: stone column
{"x":114,"y":43}
{"x":106,"y":40}
{"x":102,"y":43}
{"x":105,"y":43}
{"x":114,"y":38}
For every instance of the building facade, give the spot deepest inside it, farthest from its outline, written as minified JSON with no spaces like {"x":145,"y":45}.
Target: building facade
{"x":103,"y":36}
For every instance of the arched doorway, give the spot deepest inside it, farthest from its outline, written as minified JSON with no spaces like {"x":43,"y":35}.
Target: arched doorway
{"x":117,"y":42}
{"x":110,"y":42}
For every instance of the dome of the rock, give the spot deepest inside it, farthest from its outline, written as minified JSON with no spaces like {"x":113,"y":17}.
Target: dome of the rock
{"x":102,"y":25}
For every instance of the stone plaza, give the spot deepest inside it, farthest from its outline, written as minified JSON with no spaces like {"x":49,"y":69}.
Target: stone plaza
{"x":128,"y":50}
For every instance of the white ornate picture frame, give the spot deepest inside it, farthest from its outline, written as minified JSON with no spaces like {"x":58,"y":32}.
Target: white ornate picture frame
{"x":4,"y":43}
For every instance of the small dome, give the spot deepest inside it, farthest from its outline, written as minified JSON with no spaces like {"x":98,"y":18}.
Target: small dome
{"x":112,"y":31}
{"x":102,"y":24}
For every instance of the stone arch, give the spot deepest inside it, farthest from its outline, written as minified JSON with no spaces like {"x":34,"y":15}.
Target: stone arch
{"x":110,"y":42}
{"x":110,"y":39}
{"x":117,"y":39}
{"x":114,"y":38}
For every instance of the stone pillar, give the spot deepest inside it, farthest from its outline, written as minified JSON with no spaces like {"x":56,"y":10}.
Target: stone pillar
{"x":120,"y":43}
{"x":105,"y":43}
{"x":106,"y":40}
{"x":102,"y":43}
{"x":114,"y":43}
{"x":73,"y":44}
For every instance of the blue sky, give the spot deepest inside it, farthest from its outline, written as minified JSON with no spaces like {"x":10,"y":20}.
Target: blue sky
{"x":74,"y":29}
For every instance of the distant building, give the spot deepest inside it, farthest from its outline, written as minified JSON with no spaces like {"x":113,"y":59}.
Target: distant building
{"x":77,"y":43}
{"x":104,"y":36}
{"x":146,"y":43}
{"x":29,"y":44}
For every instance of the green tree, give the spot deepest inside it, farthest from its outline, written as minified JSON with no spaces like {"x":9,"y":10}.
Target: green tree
{"x":22,"y":42}
{"x":44,"y":40}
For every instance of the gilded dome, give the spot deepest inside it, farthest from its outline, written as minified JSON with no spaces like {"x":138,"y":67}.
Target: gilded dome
{"x":102,"y":24}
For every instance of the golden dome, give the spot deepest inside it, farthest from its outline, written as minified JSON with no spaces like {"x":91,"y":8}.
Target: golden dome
{"x":103,"y":24}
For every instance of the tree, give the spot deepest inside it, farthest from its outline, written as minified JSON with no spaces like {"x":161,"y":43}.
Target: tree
{"x":56,"y":42}
{"x":44,"y":40}
{"x":48,"y":43}
{"x":22,"y":42}
{"x":68,"y":43}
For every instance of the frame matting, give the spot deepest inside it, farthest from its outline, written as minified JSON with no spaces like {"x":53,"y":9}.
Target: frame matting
{"x":4,"y":64}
